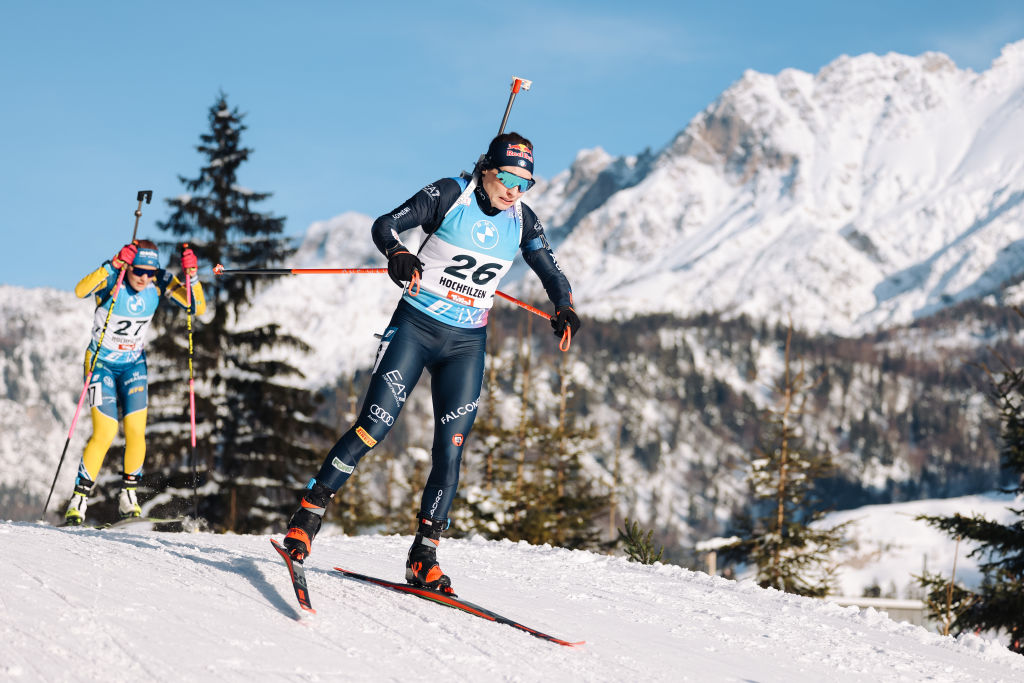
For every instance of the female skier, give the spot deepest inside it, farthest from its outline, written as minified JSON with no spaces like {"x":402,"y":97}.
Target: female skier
{"x":474,"y":227}
{"x":119,"y":379}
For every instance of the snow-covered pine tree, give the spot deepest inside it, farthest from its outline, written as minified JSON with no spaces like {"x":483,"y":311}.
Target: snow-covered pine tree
{"x":779,"y":536}
{"x":257,"y":436}
{"x":998,"y":604}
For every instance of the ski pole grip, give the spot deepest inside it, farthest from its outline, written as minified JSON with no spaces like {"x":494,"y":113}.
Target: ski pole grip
{"x":144,"y":195}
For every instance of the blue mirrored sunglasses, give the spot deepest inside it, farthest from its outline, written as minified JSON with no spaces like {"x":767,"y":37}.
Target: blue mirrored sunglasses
{"x":511,"y":180}
{"x":143,"y":272}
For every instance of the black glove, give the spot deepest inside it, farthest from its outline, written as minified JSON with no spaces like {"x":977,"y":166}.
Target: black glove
{"x":401,"y":266}
{"x":565,"y":316}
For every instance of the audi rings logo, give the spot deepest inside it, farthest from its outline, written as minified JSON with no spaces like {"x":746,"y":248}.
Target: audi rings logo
{"x":381,"y":415}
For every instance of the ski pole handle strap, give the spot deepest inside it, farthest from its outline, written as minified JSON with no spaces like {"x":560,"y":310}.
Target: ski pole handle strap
{"x":565,"y":323}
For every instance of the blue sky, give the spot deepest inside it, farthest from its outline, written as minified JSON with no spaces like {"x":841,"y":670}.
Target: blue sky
{"x":353,"y":107}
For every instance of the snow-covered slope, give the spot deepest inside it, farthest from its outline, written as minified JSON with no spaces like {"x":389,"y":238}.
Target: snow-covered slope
{"x":122,"y":605}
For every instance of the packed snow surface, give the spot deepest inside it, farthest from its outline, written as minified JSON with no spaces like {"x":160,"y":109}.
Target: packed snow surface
{"x":131,"y":604}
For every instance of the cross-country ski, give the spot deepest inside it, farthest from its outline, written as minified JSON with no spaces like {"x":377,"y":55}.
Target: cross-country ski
{"x":297,"y":573}
{"x":451,"y":601}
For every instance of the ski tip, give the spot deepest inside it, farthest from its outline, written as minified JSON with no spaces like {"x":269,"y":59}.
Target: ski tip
{"x":283,"y":551}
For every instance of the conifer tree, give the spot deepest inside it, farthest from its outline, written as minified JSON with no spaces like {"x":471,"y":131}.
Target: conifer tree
{"x":572,"y":505}
{"x":535,"y":488}
{"x":639,"y":547}
{"x":790,"y":553}
{"x":998,"y":603}
{"x":258,"y":438}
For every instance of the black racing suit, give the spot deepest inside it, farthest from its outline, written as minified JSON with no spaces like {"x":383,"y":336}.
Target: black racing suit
{"x":453,"y":355}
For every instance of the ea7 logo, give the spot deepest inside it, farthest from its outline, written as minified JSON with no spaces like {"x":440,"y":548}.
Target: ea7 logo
{"x":394,"y":381}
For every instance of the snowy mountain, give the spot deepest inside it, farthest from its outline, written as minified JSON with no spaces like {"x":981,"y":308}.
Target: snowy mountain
{"x":871,"y":193}
{"x":122,"y":605}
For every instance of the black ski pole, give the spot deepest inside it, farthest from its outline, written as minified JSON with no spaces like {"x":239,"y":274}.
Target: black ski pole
{"x":146,"y":195}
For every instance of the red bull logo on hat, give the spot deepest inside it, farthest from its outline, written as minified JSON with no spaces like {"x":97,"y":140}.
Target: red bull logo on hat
{"x":503,"y":152}
{"x":520,"y":151}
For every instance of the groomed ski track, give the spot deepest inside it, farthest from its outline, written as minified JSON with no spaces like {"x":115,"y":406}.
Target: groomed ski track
{"x":134,"y":604}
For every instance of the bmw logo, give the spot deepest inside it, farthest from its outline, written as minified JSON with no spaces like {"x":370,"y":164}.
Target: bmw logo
{"x":485,"y":235}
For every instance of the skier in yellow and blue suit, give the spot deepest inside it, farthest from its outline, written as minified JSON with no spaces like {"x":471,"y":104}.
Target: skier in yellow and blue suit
{"x":119,"y":379}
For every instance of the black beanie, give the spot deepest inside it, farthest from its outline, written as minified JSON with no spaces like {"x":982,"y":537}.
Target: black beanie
{"x":504,"y":153}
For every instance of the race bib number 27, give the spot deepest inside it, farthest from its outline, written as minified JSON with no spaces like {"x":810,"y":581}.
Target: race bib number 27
{"x":95,"y":394}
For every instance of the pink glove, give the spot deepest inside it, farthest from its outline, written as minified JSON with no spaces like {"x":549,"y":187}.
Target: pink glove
{"x":125,"y":256}
{"x":188,"y":261}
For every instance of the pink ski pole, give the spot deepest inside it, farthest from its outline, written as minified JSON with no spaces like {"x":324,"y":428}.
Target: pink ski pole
{"x":191,"y":394}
